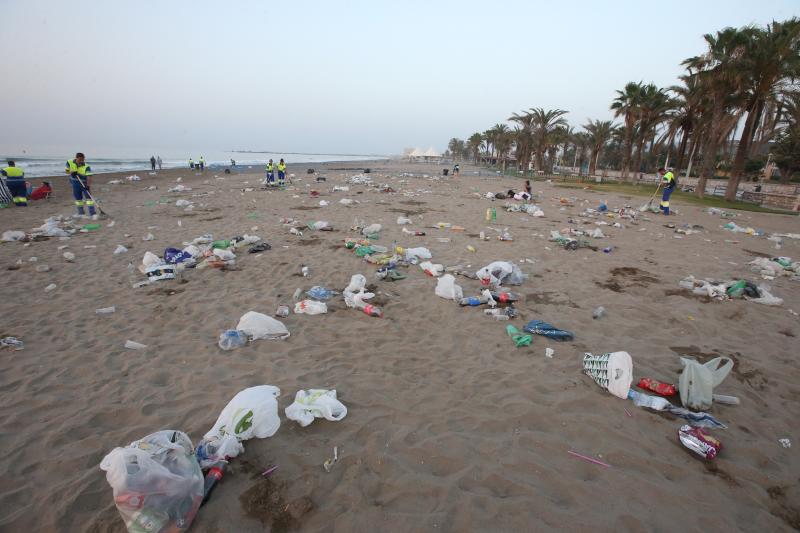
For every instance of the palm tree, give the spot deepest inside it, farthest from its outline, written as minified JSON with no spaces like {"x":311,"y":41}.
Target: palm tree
{"x":583,"y":145}
{"x":456,"y":147}
{"x":474,"y":146}
{"x":653,"y":106}
{"x":503,"y":141}
{"x":545,"y":124}
{"x":772,"y":58}
{"x":684,"y":115}
{"x":718,"y":72}
{"x":599,"y":134}
{"x":626,"y":105}
{"x":523,"y":138}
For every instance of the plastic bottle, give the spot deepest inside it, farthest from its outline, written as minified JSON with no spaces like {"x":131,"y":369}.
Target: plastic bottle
{"x":213,"y":476}
{"x":305,"y":270}
{"x":371,"y":310}
{"x":488,"y":214}
{"x":105,"y":310}
{"x":599,"y":312}
{"x":505,"y":297}
{"x":644,"y":400}
{"x":737,"y":289}
{"x":494,"y":214}
{"x":221,"y":244}
{"x":473,"y":301}
{"x":727,"y":400}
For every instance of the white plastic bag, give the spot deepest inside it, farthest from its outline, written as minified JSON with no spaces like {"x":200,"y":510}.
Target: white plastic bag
{"x":151,"y":259}
{"x":260,"y":326}
{"x":419,"y":252}
{"x":120,"y":249}
{"x":224,"y":255}
{"x":403,"y":220}
{"x":355,"y":293}
{"x":432,"y":269}
{"x":315,"y":403}
{"x":372,"y":229}
{"x":446,"y":288}
{"x":251,"y":413}
{"x":766,"y":297}
{"x":157,"y":482}
{"x":183,"y":203}
{"x":13,"y":235}
{"x":696,"y":383}
{"x":310,"y":307}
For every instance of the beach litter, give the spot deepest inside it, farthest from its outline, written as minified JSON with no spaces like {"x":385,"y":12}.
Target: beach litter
{"x":447,"y":288}
{"x":315,"y":403}
{"x":12,"y":343}
{"x":540,"y":327}
{"x":328,"y":464}
{"x":612,"y":371}
{"x":518,"y":338}
{"x":699,"y":442}
{"x":132,"y":345}
{"x":588,"y":459}
{"x":156,"y":481}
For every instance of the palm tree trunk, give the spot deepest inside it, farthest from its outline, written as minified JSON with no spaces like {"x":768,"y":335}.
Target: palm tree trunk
{"x":638,"y":167}
{"x":685,"y":133}
{"x":626,"y":155}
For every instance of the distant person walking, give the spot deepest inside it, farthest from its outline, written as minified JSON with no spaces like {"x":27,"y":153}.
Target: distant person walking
{"x":270,"y":173}
{"x":15,"y":181}
{"x":668,"y":180}
{"x":456,"y":169}
{"x":281,"y":172}
{"x":191,"y":163}
{"x":152,"y":162}
{"x":233,"y":162}
{"x":202,"y":163}
{"x":158,"y":162}
{"x":79,"y":177}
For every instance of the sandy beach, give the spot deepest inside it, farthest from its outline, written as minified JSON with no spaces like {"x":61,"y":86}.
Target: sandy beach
{"x":450,"y":427}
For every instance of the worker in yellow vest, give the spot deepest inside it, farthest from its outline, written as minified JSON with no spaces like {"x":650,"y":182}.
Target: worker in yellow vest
{"x":191,"y":163}
{"x":15,"y":180}
{"x":202,"y":163}
{"x":79,"y":177}
{"x":669,"y":182}
{"x":270,"y":174}
{"x":281,"y":172}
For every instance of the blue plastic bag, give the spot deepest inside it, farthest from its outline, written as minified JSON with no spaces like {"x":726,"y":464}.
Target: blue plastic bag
{"x":174,"y":256}
{"x":320,"y":293}
{"x":540,"y":327}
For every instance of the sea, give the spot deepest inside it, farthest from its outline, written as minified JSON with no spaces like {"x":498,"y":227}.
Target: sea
{"x":41,"y":166}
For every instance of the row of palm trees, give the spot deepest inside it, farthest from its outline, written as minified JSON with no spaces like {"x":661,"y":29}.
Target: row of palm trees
{"x":737,"y":97}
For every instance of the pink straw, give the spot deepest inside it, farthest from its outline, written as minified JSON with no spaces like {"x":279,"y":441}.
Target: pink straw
{"x":595,"y":461}
{"x":269,"y":470}
{"x":627,"y":412}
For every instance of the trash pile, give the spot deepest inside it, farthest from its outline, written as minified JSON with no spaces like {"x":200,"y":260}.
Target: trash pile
{"x":735,"y":228}
{"x":728,"y":290}
{"x":614,"y":373}
{"x":158,"y":482}
{"x":770,"y":269}
{"x":200,"y":253}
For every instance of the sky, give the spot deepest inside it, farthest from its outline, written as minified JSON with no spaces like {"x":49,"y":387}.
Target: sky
{"x":120,"y":78}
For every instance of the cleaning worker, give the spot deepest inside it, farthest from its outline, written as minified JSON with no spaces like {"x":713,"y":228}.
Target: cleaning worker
{"x":79,"y":177}
{"x":668,"y":180}
{"x":191,"y":163}
{"x":15,"y":179}
{"x":202,"y":163}
{"x":281,"y":172}
{"x":270,"y":173}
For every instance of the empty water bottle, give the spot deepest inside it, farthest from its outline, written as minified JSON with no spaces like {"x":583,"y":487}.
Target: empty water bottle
{"x":231,"y":339}
{"x":320,"y":293}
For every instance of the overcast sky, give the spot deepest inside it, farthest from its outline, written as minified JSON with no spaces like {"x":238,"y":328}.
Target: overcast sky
{"x":328,"y":76}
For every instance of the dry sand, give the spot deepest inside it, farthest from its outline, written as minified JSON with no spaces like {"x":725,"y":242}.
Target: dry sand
{"x":450,"y":427}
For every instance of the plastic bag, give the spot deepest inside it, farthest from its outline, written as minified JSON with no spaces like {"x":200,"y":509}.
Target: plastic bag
{"x":446,"y":288}
{"x":12,"y":235}
{"x":151,"y":259}
{"x":251,"y":413}
{"x":696,"y":383}
{"x":231,"y":339}
{"x":500,"y":272}
{"x":432,"y":269}
{"x":403,"y":220}
{"x":320,"y":293}
{"x":260,"y":326}
{"x":355,"y":293}
{"x":213,"y":450}
{"x":310,"y":307}
{"x":372,"y":229}
{"x":157,"y":482}
{"x":766,"y":298}
{"x":315,"y":403}
{"x":419,"y":253}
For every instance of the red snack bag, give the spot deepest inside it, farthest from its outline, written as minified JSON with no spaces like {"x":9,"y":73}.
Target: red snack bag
{"x":699,"y":442}
{"x":653,"y":385}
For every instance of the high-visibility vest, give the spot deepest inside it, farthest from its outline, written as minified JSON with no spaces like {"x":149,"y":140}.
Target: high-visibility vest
{"x":202,"y":160}
{"x":269,"y":167}
{"x":281,"y":167}
{"x":74,"y":170}
{"x":669,"y":179}
{"x":14,"y":173}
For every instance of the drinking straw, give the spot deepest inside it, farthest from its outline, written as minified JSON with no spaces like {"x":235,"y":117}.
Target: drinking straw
{"x":595,"y":461}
